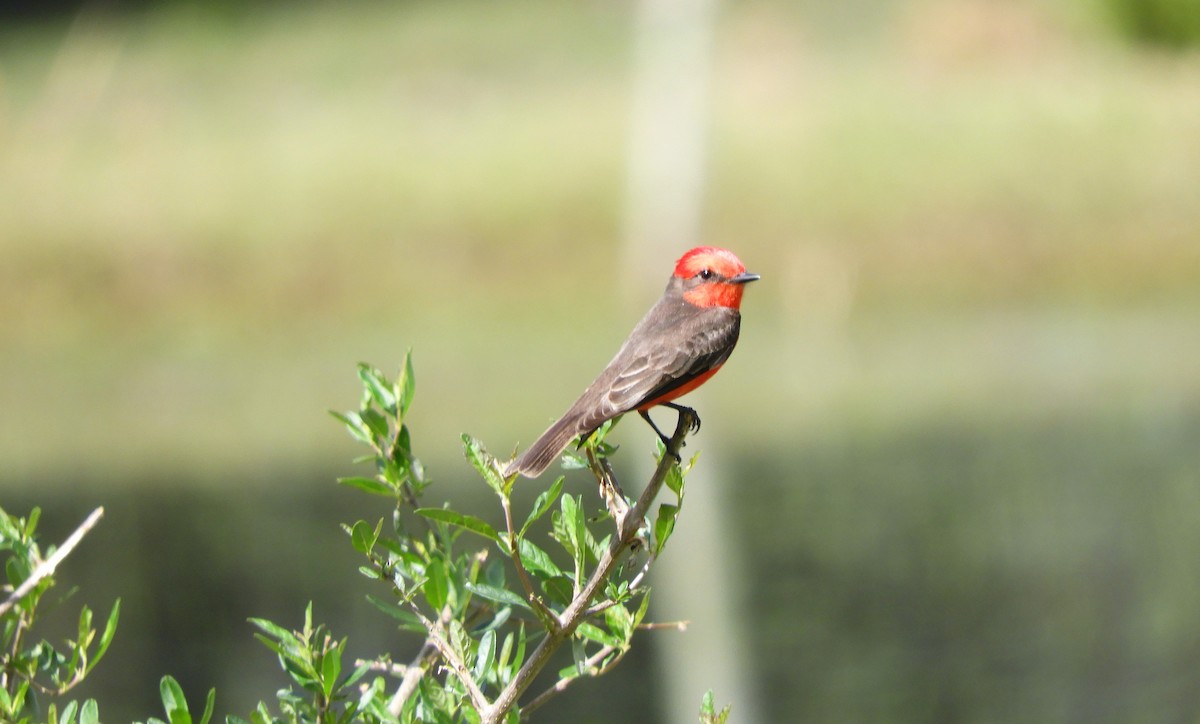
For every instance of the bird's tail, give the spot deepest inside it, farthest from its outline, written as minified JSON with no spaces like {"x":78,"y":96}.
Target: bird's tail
{"x":534,"y":461}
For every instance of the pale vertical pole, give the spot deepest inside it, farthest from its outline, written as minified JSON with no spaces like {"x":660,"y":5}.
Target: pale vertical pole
{"x":667,"y":157}
{"x":668,"y":133}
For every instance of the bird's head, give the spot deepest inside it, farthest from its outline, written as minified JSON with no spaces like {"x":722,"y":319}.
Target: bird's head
{"x":712,"y":277}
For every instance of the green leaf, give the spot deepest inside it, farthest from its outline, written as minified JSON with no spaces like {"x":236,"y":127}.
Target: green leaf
{"x":579,"y":653}
{"x":542,"y":504}
{"x":377,"y":385}
{"x":437,"y":587}
{"x":502,"y":670}
{"x":596,"y":440}
{"x":270,"y":643}
{"x":331,"y":669}
{"x":483,"y":659}
{"x":408,"y":620}
{"x":592,"y":632}
{"x":210,"y":704}
{"x":567,"y":524}
{"x":373,"y":486}
{"x":363,"y":536}
{"x":502,"y":615}
{"x":359,"y":672}
{"x":642,"y":609}
{"x":493,"y":574}
{"x":499,"y":595}
{"x":110,"y":630}
{"x":571,"y":460}
{"x":68,"y":713}
{"x":406,"y":384}
{"x":559,"y":531}
{"x":355,"y":426}
{"x":597,"y":547}
{"x":560,"y":589}
{"x":273,"y":630}
{"x":708,"y":713}
{"x":538,"y":561}
{"x":620,"y":622}
{"x":173,"y":700}
{"x":484,"y":463}
{"x":674,"y":480}
{"x":403,"y":452}
{"x":459,"y":640}
{"x":90,"y":713}
{"x":519,"y":656}
{"x":572,"y":526}
{"x":17,"y":571}
{"x":85,"y":626}
{"x":617,"y":590}
{"x":664,"y":525}
{"x":466,"y":522}
{"x":375,"y":422}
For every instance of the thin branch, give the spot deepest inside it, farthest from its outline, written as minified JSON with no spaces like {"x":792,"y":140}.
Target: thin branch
{"x":637,"y":516}
{"x":478,"y":700}
{"x":569,"y":620}
{"x":415,"y":671}
{"x":46,"y":568}
{"x":562,"y":684}
{"x":634,"y":584}
{"x":384,"y":667}
{"x":544,"y":614}
{"x":661,"y":625}
{"x":430,"y":651}
{"x":591,"y":661}
{"x":610,"y":489}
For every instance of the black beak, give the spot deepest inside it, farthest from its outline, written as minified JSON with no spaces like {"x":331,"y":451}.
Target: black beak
{"x":744,"y":278}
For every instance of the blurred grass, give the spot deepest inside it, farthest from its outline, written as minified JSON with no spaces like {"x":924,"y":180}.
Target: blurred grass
{"x":970,"y":361}
{"x":186,"y":200}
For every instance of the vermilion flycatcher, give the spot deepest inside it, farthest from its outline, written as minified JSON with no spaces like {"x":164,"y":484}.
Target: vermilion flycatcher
{"x":681,"y":342}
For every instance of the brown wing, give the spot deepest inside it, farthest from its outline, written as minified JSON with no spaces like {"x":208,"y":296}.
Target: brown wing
{"x":673,"y":344}
{"x":653,"y":364}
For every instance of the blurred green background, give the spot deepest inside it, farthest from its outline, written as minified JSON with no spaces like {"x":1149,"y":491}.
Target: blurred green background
{"x":958,"y":446}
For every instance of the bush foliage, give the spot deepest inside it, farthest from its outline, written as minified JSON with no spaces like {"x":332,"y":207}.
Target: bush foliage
{"x":490,"y":604}
{"x":1167,"y":23}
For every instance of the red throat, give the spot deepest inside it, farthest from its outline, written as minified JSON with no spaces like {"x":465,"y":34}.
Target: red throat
{"x":716,"y":294}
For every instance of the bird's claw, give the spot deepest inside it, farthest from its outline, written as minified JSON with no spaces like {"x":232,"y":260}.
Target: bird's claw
{"x":693,"y":418}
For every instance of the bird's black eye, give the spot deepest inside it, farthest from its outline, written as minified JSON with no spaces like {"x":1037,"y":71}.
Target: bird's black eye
{"x":706,"y":274}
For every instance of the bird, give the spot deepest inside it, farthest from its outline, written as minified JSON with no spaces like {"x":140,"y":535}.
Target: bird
{"x":681,"y":342}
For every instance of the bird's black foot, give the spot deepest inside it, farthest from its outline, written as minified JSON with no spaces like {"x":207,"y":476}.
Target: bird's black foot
{"x":682,"y":410}
{"x":665,"y":440}
{"x":693,"y":427}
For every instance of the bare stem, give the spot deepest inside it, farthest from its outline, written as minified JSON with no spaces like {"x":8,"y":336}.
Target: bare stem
{"x":415,"y":671}
{"x":562,"y":684}
{"x":610,"y":489}
{"x":438,"y":640}
{"x":46,"y":568}
{"x":544,"y":614}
